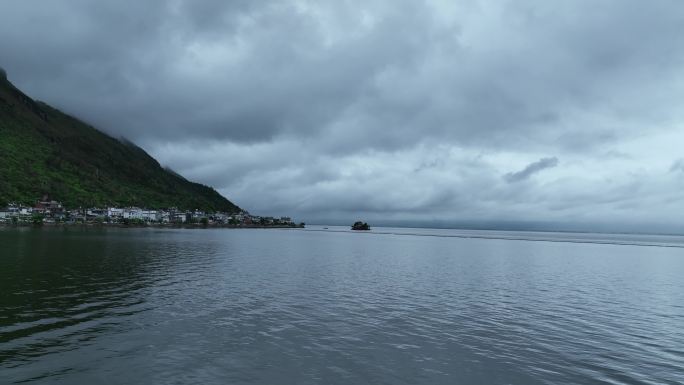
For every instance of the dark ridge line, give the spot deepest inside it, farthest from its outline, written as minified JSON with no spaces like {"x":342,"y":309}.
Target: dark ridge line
{"x":511,"y":239}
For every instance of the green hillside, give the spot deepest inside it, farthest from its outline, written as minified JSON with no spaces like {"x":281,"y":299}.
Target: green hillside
{"x":44,"y":151}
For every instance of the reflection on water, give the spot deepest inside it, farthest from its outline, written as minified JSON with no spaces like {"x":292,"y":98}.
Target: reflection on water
{"x":288,"y":306}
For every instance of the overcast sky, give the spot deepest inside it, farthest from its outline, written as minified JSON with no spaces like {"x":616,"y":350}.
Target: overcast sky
{"x":526,"y":110}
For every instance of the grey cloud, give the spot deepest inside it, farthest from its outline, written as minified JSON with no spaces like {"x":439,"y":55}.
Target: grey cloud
{"x":531,"y":169}
{"x":254,"y":72}
{"x":677,"y":166}
{"x":296,"y":104}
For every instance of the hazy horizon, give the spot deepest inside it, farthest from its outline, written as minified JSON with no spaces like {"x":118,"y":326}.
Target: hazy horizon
{"x":527,"y":113}
{"x":515,"y":226}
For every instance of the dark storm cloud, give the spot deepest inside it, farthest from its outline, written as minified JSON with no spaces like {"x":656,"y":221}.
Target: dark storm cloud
{"x":272,"y":101}
{"x":227,"y":70}
{"x":252,"y":71}
{"x":531,"y":169}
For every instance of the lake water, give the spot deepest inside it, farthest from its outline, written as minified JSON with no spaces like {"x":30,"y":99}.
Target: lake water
{"x":317,"y":306}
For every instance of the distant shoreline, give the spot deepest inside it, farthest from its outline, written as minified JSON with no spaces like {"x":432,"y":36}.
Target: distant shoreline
{"x":151,"y":225}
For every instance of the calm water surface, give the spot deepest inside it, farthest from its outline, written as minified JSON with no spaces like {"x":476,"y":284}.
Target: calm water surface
{"x":315,"y":306}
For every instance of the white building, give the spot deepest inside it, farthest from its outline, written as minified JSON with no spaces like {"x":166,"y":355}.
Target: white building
{"x":180,"y":218}
{"x":114,"y":212}
{"x":150,"y":215}
{"x":133,"y":213}
{"x":221,"y":218}
{"x":96,"y":212}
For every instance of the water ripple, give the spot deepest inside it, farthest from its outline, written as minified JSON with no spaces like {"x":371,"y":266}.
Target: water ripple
{"x":309,"y":307}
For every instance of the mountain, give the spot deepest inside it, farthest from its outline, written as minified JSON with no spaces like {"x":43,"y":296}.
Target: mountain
{"x":46,"y":152}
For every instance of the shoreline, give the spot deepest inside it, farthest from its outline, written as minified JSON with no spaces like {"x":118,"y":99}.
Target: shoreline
{"x":151,"y":225}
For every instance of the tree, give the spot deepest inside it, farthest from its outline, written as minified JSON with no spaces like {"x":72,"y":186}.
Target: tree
{"x":37,"y":219}
{"x":358,"y":225}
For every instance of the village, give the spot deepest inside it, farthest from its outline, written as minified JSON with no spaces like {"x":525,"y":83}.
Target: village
{"x":52,"y":212}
